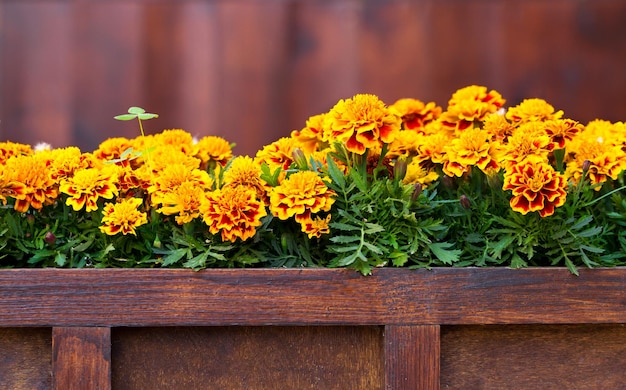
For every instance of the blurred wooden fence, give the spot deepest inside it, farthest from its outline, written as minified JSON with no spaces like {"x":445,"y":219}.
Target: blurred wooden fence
{"x":253,"y":70}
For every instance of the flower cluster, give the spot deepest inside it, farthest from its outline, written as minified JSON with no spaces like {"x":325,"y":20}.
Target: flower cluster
{"x":363,"y":185}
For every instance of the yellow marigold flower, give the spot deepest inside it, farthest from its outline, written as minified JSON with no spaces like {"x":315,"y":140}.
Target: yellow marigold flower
{"x":561,"y":130}
{"x":535,"y":186}
{"x":464,"y":114}
{"x":36,"y":187}
{"x":63,"y":162}
{"x":432,"y":150}
{"x":9,"y":187}
{"x":301,"y":194}
{"x":415,"y":113}
{"x":278,"y":154}
{"x":172,"y":176}
{"x":213,"y":149}
{"x":163,"y":156}
{"x":243,"y":171}
{"x":10,"y":149}
{"x":235,"y":212}
{"x":184,"y":201}
{"x":88,"y":185}
{"x":177,"y":138}
{"x":531,"y":110}
{"x":315,"y":227}
{"x":113,"y":149}
{"x":123,"y":217}
{"x":528,"y":140}
{"x":478,"y":93}
{"x":360,"y":123}
{"x":310,"y":137}
{"x":415,"y":173}
{"x":498,"y":127}
{"x":471,"y":148}
{"x":405,"y":144}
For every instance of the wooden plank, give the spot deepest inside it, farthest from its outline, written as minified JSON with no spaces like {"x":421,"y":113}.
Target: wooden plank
{"x":81,"y":358}
{"x":412,"y":357}
{"x":533,"y":357}
{"x":157,"y":297}
{"x":25,"y":360}
{"x":248,"y":358}
{"x":36,"y":89}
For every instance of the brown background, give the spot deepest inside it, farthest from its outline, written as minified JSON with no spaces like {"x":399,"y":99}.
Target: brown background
{"x":253,"y":70}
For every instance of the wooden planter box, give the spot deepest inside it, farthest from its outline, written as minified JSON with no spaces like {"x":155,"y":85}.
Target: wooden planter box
{"x":466,"y":328}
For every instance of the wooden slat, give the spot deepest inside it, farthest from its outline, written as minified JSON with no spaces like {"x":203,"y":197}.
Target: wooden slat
{"x":36,"y":89}
{"x":412,"y":357}
{"x":81,"y":358}
{"x":517,"y":357}
{"x":248,"y":358}
{"x":140,"y":297}
{"x":25,"y":358}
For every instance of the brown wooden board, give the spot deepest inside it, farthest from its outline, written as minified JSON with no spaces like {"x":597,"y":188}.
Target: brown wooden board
{"x":412,"y":357}
{"x":167,"y":297}
{"x":533,"y":357}
{"x":25,"y":361}
{"x":248,"y":358}
{"x":81,"y":358}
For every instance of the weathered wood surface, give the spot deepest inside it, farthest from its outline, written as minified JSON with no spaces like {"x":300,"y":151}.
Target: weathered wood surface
{"x":253,"y":70}
{"x":25,"y":360}
{"x":248,"y":358}
{"x":81,"y":358}
{"x":442,"y":296}
{"x":412,"y":357}
{"x":520,"y":357}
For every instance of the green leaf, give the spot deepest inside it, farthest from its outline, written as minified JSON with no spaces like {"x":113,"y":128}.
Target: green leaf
{"x":60,"y":259}
{"x":344,"y":239}
{"x":147,"y":116}
{"x":136,"y":110}
{"x":174,"y":256}
{"x":443,"y":252}
{"x":335,"y":174}
{"x":125,"y":117}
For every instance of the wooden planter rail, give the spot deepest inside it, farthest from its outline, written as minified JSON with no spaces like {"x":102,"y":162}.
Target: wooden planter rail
{"x":321,"y":328}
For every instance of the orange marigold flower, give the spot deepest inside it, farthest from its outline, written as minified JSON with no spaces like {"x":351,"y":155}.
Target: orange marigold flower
{"x":163,"y":156}
{"x":9,"y":187}
{"x":361,"y":123}
{"x":415,"y":173}
{"x":177,"y":138}
{"x":213,"y":149}
{"x":464,"y":114}
{"x":36,"y":187}
{"x":498,"y":127}
{"x":528,"y":140}
{"x":315,"y":227}
{"x":478,"y":93}
{"x":172,"y":176}
{"x":278,"y":154}
{"x":243,"y":171}
{"x":310,"y":137}
{"x":123,"y":217}
{"x":63,"y":162}
{"x":561,"y":130}
{"x":88,"y":185}
{"x":112,"y":149}
{"x":10,"y":149}
{"x":531,"y":110}
{"x":301,"y":194}
{"x":415,"y":113}
{"x":535,"y":186}
{"x":405,"y":144}
{"x":184,"y":201}
{"x":471,"y":148}
{"x":235,"y":212}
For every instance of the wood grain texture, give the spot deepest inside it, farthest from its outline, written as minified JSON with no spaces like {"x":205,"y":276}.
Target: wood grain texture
{"x":248,"y":358}
{"x":25,"y":362}
{"x":254,"y":70}
{"x":412,"y":357}
{"x":162,"y":297}
{"x":533,"y":357}
{"x":81,"y":358}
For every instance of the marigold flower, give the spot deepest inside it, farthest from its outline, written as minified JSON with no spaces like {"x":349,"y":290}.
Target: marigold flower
{"x":184,"y":200}
{"x":405,"y":144}
{"x":532,"y":110}
{"x":123,"y":217}
{"x":301,"y":194}
{"x":172,"y":176}
{"x":88,"y":185}
{"x":361,"y":123}
{"x":163,"y":156}
{"x":478,"y":93}
{"x":315,"y":227}
{"x":415,"y":173}
{"x":310,"y":137}
{"x":498,"y":127}
{"x":9,"y":187}
{"x":243,"y":171}
{"x":177,"y":138}
{"x":415,"y":113}
{"x":535,"y":186}
{"x":472,"y":147}
{"x":63,"y":162}
{"x":10,"y":149}
{"x":528,"y":140}
{"x":235,"y":212}
{"x":278,"y":154}
{"x":561,"y":130}
{"x":213,"y":149}
{"x":36,"y":187}
{"x":112,"y":149}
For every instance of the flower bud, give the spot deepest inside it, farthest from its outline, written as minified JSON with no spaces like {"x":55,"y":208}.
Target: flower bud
{"x":50,"y":238}
{"x":465,"y":202}
{"x":417,"y":190}
{"x":586,"y":166}
{"x":299,"y":158}
{"x":399,"y":169}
